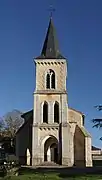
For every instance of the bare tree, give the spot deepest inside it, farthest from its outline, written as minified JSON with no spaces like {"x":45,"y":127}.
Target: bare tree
{"x":2,"y":126}
{"x":13,"y":121}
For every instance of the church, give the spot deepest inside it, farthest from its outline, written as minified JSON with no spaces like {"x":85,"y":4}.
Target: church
{"x":52,"y":132}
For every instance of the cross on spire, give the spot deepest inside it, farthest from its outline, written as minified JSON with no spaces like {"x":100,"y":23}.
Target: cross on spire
{"x":50,"y":49}
{"x":51,"y":10}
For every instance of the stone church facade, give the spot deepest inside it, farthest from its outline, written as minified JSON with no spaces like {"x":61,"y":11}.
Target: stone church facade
{"x":52,"y":131}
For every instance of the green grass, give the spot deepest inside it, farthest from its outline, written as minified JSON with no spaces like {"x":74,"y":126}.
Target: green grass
{"x":33,"y":177}
{"x":29,"y":174}
{"x":52,"y":177}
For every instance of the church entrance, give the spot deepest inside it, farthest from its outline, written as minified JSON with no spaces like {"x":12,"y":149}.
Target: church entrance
{"x":51,"y":150}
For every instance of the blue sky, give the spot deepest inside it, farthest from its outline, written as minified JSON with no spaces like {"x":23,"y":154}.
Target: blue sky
{"x":78,"y":23}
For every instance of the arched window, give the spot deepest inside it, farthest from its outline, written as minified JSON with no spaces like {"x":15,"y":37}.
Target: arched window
{"x":45,"y":112}
{"x":50,"y":79}
{"x":53,"y":80}
{"x":56,"y":112}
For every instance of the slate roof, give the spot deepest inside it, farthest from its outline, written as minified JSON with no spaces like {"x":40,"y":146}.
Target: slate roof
{"x":95,"y":148}
{"x":84,"y":131}
{"x":27,"y":116}
{"x":50,"y":48}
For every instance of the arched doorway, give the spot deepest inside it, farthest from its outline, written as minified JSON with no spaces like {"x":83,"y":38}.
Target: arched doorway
{"x":51,"y":149}
{"x":27,"y":157}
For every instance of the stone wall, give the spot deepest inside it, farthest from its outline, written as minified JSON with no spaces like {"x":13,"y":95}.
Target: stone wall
{"x":24,"y":141}
{"x":67,"y":153}
{"x":79,"y":148}
{"x":75,"y":117}
{"x":60,"y":69}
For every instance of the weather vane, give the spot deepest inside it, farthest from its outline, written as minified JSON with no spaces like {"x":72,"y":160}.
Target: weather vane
{"x":51,"y":10}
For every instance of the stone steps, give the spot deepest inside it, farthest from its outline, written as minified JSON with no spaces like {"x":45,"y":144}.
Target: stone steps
{"x":46,"y":163}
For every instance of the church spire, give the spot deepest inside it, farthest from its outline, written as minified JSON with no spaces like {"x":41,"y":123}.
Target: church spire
{"x":50,"y":48}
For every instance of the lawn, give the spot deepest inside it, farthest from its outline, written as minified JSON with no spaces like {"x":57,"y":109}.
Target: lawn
{"x":25,"y":174}
{"x":53,"y":177}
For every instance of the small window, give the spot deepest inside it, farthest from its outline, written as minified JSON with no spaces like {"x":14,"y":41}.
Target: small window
{"x":53,"y":81}
{"x":56,"y":112}
{"x":50,"y":79}
{"x":45,"y":112}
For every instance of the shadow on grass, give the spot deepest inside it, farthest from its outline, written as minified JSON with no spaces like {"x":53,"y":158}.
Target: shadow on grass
{"x":72,"y":173}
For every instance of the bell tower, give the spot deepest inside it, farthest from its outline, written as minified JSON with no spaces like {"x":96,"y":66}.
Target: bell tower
{"x":51,"y":69}
{"x":50,"y":101}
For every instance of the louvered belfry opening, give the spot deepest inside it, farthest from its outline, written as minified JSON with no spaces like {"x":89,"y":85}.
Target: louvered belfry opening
{"x":45,"y":112}
{"x":48,"y":81}
{"x":56,"y":112}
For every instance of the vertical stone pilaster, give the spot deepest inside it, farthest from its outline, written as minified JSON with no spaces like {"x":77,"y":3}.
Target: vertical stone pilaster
{"x":66,"y":154}
{"x":49,"y":154}
{"x":36,"y":155}
{"x":36,"y":114}
{"x":72,"y":148}
{"x":28,"y":157}
{"x":88,"y":154}
{"x":51,"y":112}
{"x":72,"y":130}
{"x":41,"y":113}
{"x":64,"y":108}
